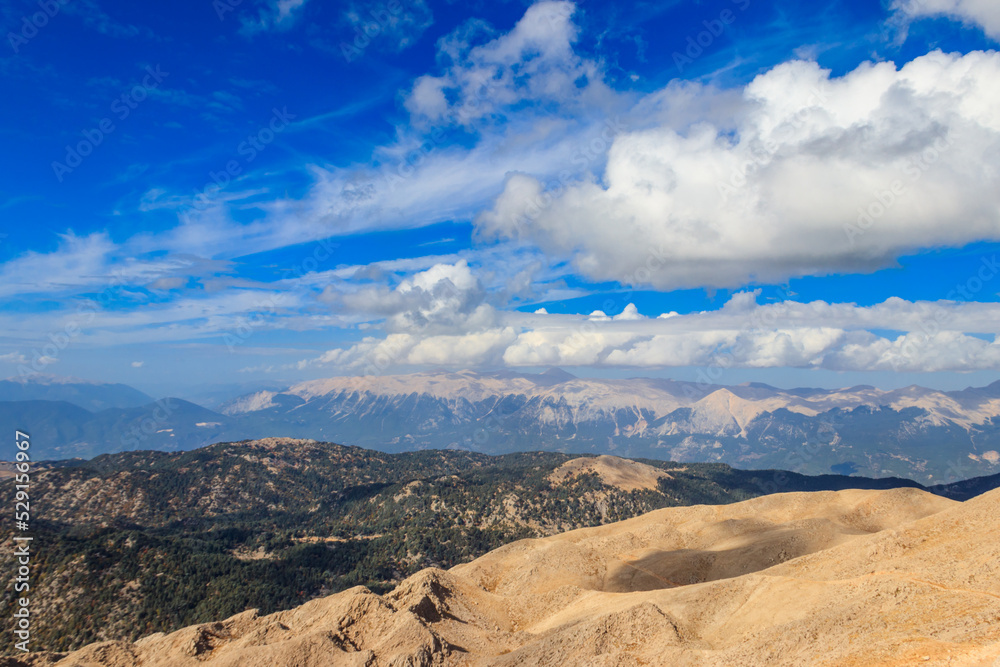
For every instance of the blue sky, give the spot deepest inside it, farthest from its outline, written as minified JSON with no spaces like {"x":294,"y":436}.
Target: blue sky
{"x":241,"y":192}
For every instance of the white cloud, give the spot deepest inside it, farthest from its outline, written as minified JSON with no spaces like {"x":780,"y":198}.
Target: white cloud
{"x":629,"y":313}
{"x":421,"y":178}
{"x":81,"y":261}
{"x":171,"y":283}
{"x":137,"y":364}
{"x":790,"y":185}
{"x":740,"y":334}
{"x":398,"y":25}
{"x":984,"y":13}
{"x":276,"y":14}
{"x":811,"y":149}
{"x":534,"y":61}
{"x":443,"y":298}
{"x":482,"y":347}
{"x":570,"y":348}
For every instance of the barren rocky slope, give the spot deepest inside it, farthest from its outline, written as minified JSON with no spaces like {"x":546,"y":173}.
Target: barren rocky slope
{"x":144,"y":542}
{"x":895,"y":577}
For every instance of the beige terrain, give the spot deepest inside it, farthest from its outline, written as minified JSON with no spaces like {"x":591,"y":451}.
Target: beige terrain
{"x":895,"y":577}
{"x":612,"y":471}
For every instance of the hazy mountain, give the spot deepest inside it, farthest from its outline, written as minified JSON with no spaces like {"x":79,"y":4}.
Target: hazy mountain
{"x":915,"y":432}
{"x":926,"y":435}
{"x":88,"y":395}
{"x":62,"y":430}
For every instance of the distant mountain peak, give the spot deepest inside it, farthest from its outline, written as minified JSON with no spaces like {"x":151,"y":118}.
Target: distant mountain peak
{"x":557,"y":375}
{"x":86,"y":394}
{"x":48,"y":379}
{"x":758,"y":385}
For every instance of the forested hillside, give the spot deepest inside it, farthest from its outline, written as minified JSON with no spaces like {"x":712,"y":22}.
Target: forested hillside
{"x":138,"y":542}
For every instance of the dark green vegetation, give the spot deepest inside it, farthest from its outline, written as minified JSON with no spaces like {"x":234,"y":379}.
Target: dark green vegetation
{"x":138,"y":542}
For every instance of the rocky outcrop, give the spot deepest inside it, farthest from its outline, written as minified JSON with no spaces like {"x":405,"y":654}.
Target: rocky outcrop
{"x":895,"y":577}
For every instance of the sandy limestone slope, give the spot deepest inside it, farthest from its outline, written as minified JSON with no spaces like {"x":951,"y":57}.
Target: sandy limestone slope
{"x":895,"y":577}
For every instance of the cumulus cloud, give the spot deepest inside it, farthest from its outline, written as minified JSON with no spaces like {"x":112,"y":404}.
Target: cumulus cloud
{"x":984,"y":13}
{"x":373,"y":355}
{"x":480,"y":348}
{"x":535,"y":61}
{"x":811,"y":175}
{"x":442,"y":299}
{"x":934,"y":336}
{"x":797,"y":173}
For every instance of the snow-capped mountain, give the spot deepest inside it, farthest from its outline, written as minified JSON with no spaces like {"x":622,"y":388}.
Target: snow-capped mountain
{"x":917,"y":432}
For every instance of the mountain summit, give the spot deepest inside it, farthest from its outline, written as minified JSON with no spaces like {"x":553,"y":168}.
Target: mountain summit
{"x":928,"y":435}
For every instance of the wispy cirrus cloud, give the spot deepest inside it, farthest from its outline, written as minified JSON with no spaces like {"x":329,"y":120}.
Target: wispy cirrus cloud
{"x":518,"y":135}
{"x":391,"y":25}
{"x":273,"y":15}
{"x":982,"y":13}
{"x":97,"y":19}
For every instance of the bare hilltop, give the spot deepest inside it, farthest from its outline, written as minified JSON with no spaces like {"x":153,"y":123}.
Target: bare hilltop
{"x":855,"y":577}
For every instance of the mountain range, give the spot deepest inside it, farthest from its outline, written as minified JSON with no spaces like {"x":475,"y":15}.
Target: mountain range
{"x":924,"y":434}
{"x":142,"y":542}
{"x":854,"y":577}
{"x":92,"y":396}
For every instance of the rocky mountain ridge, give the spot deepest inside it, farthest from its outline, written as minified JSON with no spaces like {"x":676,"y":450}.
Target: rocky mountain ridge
{"x":926,"y":435}
{"x":147,"y":541}
{"x":870,"y":573}
{"x":920,"y":433}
